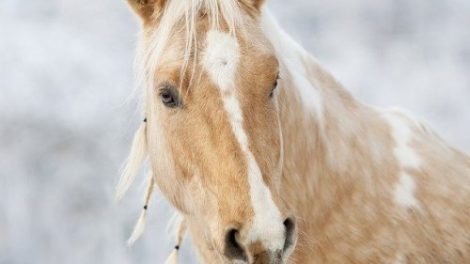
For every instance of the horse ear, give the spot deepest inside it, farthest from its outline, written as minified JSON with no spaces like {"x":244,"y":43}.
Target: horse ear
{"x":146,"y":8}
{"x":256,"y":3}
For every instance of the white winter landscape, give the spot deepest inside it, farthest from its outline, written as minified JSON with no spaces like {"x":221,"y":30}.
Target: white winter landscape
{"x":67,"y":118}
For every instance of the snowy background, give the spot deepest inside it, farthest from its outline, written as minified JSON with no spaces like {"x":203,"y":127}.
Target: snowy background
{"x":66,"y":123}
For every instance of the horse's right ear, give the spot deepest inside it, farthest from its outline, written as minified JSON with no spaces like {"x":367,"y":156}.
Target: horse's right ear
{"x":146,"y":9}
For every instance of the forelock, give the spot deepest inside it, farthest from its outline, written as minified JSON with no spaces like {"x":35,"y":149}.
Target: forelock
{"x":225,"y":15}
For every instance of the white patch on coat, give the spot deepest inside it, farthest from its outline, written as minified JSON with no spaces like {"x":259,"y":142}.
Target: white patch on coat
{"x":220,"y":60}
{"x":400,"y":259}
{"x":402,"y":134}
{"x":404,"y":192}
{"x":290,"y":54}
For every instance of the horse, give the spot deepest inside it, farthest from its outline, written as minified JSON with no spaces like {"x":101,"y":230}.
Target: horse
{"x":269,"y":160}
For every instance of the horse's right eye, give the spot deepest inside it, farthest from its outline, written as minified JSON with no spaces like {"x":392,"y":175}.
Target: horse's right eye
{"x":169,"y":97}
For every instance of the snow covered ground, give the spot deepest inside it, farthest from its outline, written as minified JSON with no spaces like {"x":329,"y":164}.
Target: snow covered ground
{"x":66,"y":121}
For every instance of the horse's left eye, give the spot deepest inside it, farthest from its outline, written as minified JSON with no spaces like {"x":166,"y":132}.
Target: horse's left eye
{"x":271,"y":94}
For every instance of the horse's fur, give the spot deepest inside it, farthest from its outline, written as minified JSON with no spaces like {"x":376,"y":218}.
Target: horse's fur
{"x":366,"y":185}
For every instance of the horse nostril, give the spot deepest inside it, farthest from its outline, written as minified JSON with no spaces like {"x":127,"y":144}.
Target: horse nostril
{"x":289,"y":224}
{"x":233,"y":250}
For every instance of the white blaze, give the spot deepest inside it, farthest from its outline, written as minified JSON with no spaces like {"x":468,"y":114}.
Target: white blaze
{"x":407,"y":158}
{"x":220,"y":60}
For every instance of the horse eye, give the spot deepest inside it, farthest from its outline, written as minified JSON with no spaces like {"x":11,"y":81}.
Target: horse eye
{"x":271,"y":94}
{"x":170,"y":98}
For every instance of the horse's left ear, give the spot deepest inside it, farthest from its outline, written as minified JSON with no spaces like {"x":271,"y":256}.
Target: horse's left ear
{"x":257,"y":4}
{"x":146,"y":8}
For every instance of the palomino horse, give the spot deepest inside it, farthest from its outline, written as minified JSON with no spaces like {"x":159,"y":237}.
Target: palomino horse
{"x":269,"y":160}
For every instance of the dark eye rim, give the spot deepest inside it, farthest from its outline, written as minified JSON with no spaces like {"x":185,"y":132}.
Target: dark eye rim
{"x":170,"y":96}
{"x":274,"y":87}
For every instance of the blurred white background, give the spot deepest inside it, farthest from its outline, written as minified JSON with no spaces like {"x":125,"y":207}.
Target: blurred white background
{"x":66,"y":123}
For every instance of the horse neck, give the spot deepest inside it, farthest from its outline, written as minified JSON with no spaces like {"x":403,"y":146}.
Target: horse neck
{"x":317,"y":140}
{"x":324,"y":129}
